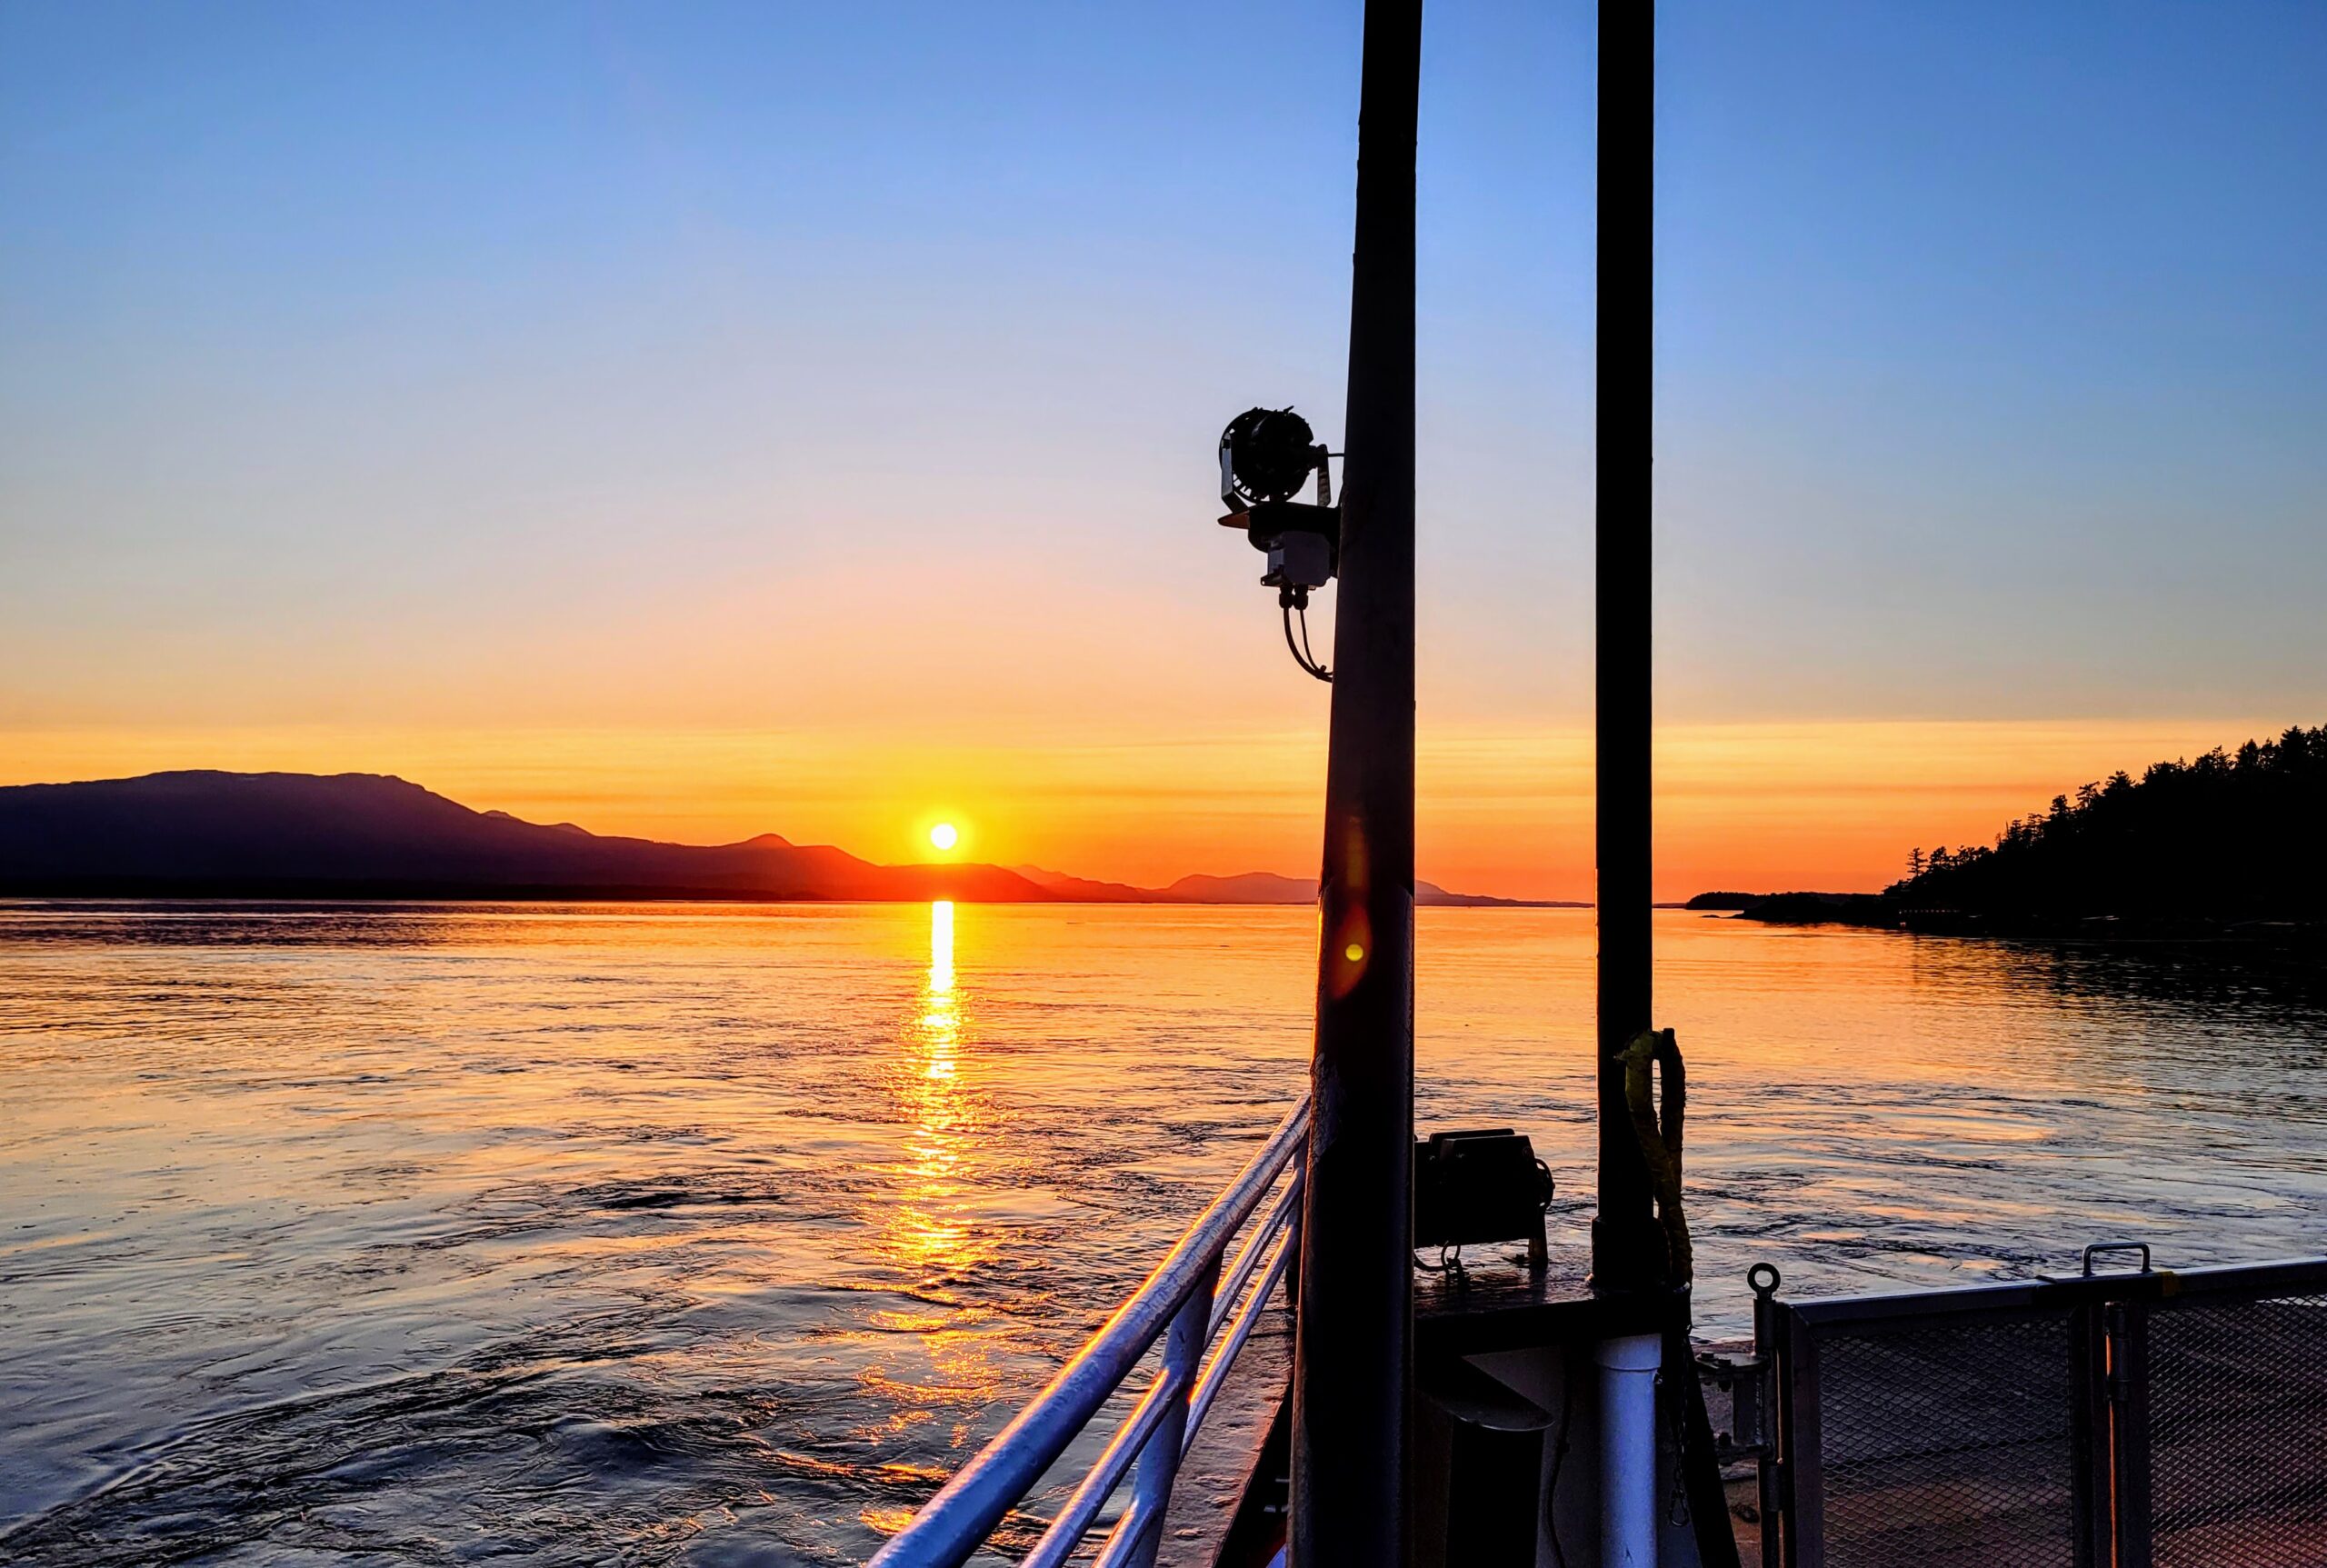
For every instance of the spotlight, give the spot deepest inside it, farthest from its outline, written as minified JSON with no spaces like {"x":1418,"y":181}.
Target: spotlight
{"x":1266,"y":456}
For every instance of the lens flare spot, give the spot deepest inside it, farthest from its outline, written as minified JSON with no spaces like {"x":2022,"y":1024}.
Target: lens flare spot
{"x":1354,"y":952}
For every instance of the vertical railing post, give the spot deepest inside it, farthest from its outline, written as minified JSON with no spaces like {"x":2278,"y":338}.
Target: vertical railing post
{"x":2128,"y":1339}
{"x":1159,"y":1462}
{"x":2091,"y":1483}
{"x":1775,"y":1436}
{"x":1292,"y":1229}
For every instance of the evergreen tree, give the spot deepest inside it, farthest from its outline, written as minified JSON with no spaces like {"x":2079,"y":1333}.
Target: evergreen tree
{"x":2239,"y":835}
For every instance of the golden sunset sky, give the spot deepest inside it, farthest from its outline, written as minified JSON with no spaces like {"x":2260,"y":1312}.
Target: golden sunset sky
{"x":1503,"y":811}
{"x":733,"y":419}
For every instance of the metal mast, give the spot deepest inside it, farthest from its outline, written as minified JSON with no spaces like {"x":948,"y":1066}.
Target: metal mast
{"x":1352,"y":1356}
{"x":1626,"y":1248}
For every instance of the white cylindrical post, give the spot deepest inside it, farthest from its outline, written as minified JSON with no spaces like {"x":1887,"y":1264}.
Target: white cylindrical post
{"x":1628,"y":1449}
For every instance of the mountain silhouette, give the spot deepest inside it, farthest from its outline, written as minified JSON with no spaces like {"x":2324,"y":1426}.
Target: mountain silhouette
{"x":370,"y":836}
{"x":366,"y":835}
{"x":1269,"y":887}
{"x":1248,"y":887}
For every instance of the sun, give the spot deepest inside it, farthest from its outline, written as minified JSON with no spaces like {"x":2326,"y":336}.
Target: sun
{"x":945,"y":836}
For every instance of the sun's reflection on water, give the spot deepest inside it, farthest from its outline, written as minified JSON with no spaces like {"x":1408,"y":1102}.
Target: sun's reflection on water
{"x":931,"y":1232}
{"x":941,"y":948}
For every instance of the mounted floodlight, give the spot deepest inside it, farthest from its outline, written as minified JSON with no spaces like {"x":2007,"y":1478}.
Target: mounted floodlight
{"x":1266,"y":457}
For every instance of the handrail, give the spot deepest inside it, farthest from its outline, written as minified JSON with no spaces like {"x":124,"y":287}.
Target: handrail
{"x":1178,"y":1297}
{"x":1249,"y":1255}
{"x":1208,"y":1387}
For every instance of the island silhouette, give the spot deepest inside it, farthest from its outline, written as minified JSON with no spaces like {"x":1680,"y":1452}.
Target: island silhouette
{"x":2233,"y":839}
{"x":211,"y":834}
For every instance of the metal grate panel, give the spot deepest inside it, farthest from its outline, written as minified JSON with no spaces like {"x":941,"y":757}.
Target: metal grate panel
{"x":2238,"y":1433}
{"x":1948,"y":1445}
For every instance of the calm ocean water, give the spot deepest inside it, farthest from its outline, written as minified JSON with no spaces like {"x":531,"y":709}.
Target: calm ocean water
{"x":716,"y":1235}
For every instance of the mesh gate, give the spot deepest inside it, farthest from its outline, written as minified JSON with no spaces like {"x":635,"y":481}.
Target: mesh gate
{"x":2144,"y":1420}
{"x":1970,"y":1468}
{"x":2237,"y":1396}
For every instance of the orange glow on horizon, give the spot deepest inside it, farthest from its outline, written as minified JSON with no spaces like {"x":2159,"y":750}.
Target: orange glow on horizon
{"x":1504,"y":809}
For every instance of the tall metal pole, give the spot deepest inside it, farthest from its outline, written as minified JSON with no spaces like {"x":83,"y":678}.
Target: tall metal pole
{"x":1627,"y":1251}
{"x":1351,"y":1363}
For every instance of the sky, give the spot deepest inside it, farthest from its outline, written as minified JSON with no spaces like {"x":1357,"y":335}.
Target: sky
{"x":701,"y":420}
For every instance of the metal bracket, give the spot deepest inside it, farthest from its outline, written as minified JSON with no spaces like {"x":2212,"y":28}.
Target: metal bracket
{"x":1746,"y":1379}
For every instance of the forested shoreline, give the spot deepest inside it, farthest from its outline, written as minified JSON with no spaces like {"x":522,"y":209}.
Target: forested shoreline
{"x":2232,"y":840}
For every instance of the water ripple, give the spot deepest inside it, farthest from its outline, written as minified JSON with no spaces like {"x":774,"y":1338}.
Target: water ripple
{"x":674,"y":1234}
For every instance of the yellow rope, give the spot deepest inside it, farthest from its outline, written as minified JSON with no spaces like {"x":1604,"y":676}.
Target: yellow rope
{"x":1660,"y":1136}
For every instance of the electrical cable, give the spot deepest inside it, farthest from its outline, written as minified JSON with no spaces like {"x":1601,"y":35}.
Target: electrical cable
{"x":1302,"y":610}
{"x":1300,"y":654}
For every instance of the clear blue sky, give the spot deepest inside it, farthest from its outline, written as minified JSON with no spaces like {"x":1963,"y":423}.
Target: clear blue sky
{"x":393,"y":359}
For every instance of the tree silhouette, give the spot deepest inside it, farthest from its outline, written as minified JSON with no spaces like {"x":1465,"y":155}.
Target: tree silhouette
{"x":2237,"y":836}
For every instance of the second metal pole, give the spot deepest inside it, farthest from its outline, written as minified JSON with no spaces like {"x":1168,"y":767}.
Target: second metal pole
{"x":1627,"y":1249}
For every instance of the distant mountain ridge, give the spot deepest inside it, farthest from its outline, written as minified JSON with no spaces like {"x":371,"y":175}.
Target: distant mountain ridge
{"x":358,"y":834}
{"x":1251,"y":887}
{"x":225,"y":834}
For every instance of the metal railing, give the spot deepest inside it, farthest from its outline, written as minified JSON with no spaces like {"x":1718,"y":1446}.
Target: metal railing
{"x":2136,"y":1418}
{"x":1187,"y":1301}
